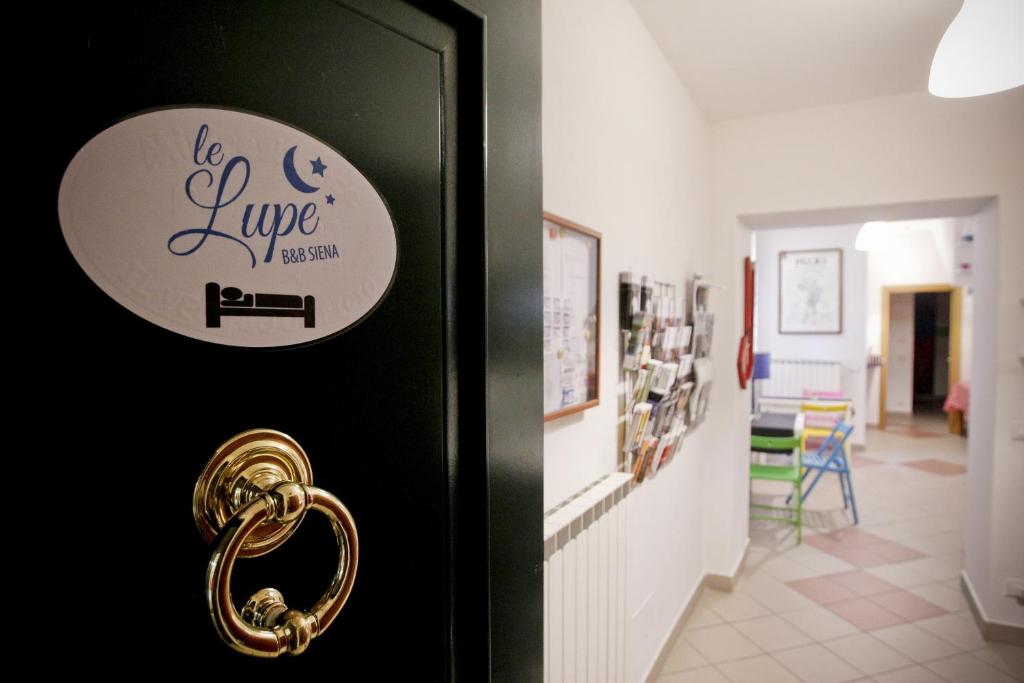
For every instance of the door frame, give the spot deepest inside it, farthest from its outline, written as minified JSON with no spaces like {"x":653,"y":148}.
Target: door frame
{"x":496,"y":402}
{"x":955,"y":306}
{"x":492,"y":142}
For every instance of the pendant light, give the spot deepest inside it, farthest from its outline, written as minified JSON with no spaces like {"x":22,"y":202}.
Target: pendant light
{"x":982,"y":51}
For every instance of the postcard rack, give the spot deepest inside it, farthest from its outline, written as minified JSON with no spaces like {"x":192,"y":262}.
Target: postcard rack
{"x":655,"y":369}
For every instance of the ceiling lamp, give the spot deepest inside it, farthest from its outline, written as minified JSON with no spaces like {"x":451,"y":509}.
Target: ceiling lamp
{"x":982,"y":51}
{"x":869,"y":236}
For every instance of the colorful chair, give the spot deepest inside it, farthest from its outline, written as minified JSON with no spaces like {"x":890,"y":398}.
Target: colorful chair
{"x":832,"y":457}
{"x":777,"y":445}
{"x":820,"y":418}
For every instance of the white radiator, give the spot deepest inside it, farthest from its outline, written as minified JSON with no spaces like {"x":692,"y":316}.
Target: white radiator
{"x":585,"y":585}
{"x":795,"y":378}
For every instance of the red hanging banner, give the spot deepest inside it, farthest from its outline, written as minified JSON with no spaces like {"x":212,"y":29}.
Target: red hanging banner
{"x":745,"y":358}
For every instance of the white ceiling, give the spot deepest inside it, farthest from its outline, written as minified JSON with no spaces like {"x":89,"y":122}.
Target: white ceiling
{"x":749,"y":57}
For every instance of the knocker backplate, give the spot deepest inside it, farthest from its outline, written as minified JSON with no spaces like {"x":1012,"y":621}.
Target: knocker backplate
{"x":241,"y":470}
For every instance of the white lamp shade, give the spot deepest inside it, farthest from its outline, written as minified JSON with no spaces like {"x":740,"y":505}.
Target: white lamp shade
{"x":982,"y":51}
{"x":870,"y":234}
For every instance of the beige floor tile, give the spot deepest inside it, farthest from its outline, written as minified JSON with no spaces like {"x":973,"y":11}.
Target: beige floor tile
{"x":683,"y":656}
{"x":901,"y":530}
{"x":952,"y":540}
{"x":872,"y":516}
{"x":820,"y":623}
{"x":761,"y":669}
{"x":721,"y":643}
{"x":784,"y":569}
{"x":934,"y":568}
{"x":824,"y":521}
{"x":941,"y":595}
{"x":916,"y":643}
{"x":967,"y":668}
{"x":776,"y":596}
{"x":823,"y":563}
{"x":901,"y":575}
{"x":772,"y":633}
{"x":941,"y":507}
{"x":954,"y":558}
{"x":868,"y":654}
{"x":702,"y":617}
{"x":957,"y":629}
{"x":736,"y":606}
{"x":929,"y":545}
{"x":913,"y":674}
{"x":950,"y":522}
{"x":710,"y":596}
{"x":953,"y":584}
{"x":815,"y":664}
{"x":708,"y":674}
{"x":1006,"y":658}
{"x":802,"y":552}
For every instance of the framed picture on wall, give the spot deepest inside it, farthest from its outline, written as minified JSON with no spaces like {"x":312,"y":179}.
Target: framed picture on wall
{"x":811,"y":291}
{"x":572,"y":316}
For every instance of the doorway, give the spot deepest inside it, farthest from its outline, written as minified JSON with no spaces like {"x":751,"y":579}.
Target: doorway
{"x":920,"y":352}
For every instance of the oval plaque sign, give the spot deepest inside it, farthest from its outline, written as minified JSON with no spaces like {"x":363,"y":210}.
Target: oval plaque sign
{"x":227,"y":227}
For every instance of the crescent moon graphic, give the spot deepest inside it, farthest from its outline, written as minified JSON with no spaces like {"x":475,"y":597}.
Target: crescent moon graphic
{"x":292,"y":176}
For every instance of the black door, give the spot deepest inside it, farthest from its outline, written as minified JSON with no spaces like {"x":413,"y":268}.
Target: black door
{"x":396,"y":414}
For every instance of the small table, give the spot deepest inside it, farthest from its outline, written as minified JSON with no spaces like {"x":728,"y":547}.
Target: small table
{"x":777,"y":424}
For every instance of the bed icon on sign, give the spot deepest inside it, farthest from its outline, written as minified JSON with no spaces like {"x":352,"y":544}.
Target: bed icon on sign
{"x":232,"y":301}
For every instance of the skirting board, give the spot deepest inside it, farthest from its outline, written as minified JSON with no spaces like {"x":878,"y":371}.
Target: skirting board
{"x":719,"y":582}
{"x":727,"y":582}
{"x":995,"y":631}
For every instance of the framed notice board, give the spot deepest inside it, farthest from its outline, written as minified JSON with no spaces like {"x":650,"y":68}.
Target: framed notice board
{"x":572,"y":316}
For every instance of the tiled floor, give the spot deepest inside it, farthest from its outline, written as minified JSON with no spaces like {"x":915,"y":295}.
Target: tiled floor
{"x":878,"y":602}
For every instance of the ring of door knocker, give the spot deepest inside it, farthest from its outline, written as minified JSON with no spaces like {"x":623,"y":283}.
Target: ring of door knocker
{"x":251,"y":497}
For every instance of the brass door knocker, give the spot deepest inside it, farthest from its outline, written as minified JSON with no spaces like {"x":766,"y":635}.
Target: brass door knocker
{"x":251,"y":497}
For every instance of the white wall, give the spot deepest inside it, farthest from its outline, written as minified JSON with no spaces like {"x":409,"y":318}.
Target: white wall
{"x":915,"y":148}
{"x":993,"y":545}
{"x":627,"y":153}
{"x":846,"y":347}
{"x":900,"y":392}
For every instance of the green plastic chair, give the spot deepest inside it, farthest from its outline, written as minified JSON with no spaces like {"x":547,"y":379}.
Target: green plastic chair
{"x":790,"y":473}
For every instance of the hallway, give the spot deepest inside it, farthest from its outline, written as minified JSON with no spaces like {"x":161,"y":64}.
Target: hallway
{"x":881,"y":602}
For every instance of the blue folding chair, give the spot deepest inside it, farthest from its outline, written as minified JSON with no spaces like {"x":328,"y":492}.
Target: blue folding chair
{"x":831,"y":457}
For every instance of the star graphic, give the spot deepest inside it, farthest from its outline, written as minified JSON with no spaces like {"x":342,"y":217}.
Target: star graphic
{"x":318,"y":167}
{"x":330,"y":199}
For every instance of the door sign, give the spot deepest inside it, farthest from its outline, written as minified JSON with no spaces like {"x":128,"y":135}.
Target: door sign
{"x":228,"y":227}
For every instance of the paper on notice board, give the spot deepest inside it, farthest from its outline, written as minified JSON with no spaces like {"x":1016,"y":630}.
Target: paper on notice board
{"x":570,"y":262}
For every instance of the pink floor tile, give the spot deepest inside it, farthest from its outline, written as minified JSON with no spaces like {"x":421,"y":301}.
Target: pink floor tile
{"x":936,"y":466}
{"x":863,"y":461}
{"x":923,"y":434}
{"x":862,"y":583}
{"x":860,"y":556}
{"x":865,"y":615}
{"x":908,"y":605}
{"x":823,"y":542}
{"x":822,"y":590}
{"x":894,"y":552}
